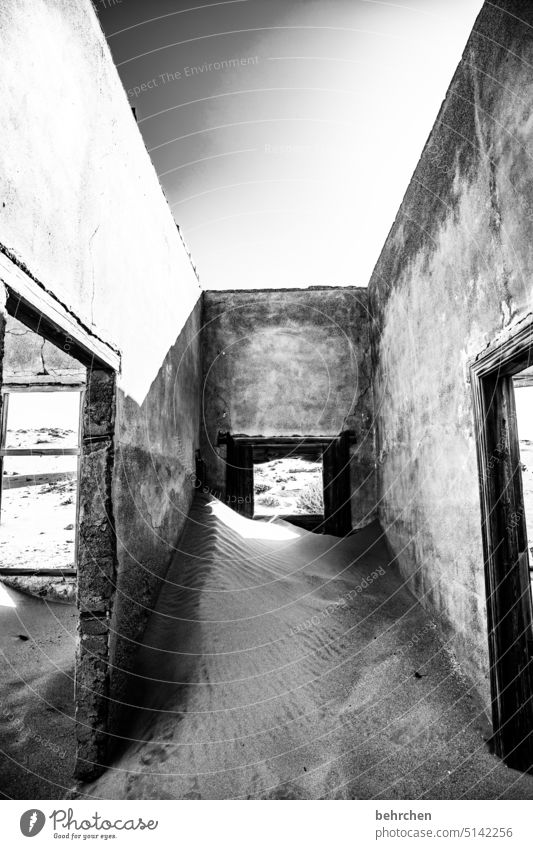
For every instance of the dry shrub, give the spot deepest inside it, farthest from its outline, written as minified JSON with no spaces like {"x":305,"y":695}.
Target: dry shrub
{"x":311,"y":498}
{"x":268,"y":501}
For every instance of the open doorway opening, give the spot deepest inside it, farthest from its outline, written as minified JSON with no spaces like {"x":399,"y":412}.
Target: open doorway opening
{"x":523,"y":389}
{"x":502,"y":413}
{"x":289,"y":483}
{"x":289,"y":486}
{"x":303,"y":480}
{"x":57,"y":402}
{"x":39,"y":457}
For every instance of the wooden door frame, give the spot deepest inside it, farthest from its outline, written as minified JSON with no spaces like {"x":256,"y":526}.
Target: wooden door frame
{"x":504,"y":535}
{"x":335,"y":451}
{"x":240,"y":476}
{"x":40,"y":311}
{"x":337,"y":489}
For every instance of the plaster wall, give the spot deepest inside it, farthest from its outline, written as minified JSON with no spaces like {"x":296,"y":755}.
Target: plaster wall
{"x":289,"y":362}
{"x":28,"y":356}
{"x":456,"y":273}
{"x":80,"y":203}
{"x":81,"y":210}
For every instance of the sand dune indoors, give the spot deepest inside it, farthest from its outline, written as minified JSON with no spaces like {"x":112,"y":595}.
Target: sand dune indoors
{"x":284,"y":664}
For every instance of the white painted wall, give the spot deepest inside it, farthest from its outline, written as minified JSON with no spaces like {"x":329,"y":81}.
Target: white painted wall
{"x":80,"y":203}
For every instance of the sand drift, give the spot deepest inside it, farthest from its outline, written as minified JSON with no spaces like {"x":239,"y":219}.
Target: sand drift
{"x":283,"y":664}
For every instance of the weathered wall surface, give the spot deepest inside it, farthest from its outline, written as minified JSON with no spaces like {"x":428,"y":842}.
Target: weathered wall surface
{"x":80,"y":203}
{"x":456,"y":271}
{"x":154,"y":483}
{"x":289,"y":362}
{"x":81,"y":208}
{"x":28,"y":356}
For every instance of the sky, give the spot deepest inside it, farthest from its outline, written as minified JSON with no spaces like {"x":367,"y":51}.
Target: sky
{"x":285,"y":132}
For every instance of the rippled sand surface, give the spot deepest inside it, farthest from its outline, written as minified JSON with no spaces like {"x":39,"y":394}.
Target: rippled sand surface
{"x":283,"y":664}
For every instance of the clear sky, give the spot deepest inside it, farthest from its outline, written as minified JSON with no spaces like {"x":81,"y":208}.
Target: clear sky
{"x":287,"y":166}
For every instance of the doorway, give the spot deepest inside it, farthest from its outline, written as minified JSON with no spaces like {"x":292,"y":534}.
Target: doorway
{"x":39,"y":457}
{"x":523,"y":390}
{"x":74,"y":436}
{"x":303,"y":480}
{"x":494,"y":376}
{"x":289,"y":486}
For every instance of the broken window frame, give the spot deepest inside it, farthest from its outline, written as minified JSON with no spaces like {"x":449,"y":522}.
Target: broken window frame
{"x":34,"y":386}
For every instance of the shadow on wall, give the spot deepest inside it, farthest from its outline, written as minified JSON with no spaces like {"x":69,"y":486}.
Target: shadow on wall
{"x":152,"y":492}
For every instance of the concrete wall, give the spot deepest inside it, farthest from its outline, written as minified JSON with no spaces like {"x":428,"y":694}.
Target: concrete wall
{"x":286,"y":362}
{"x":82,"y":212}
{"x":28,"y":356}
{"x":154,"y":484}
{"x":455,"y":273}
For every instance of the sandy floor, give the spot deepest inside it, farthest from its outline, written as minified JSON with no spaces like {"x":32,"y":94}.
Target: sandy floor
{"x":296,"y":666}
{"x":37,"y":643}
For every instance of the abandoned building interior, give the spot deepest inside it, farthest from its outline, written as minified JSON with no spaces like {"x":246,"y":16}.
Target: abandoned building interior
{"x":270,"y":544}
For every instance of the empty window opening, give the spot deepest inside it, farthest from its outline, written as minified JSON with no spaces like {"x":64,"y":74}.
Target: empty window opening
{"x":39,"y":455}
{"x":290,"y":486}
